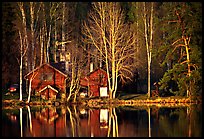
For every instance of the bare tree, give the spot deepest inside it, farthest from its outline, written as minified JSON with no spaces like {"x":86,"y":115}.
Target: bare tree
{"x":106,"y":31}
{"x":148,"y":32}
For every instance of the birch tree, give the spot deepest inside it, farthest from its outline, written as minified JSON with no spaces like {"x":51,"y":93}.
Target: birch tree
{"x":106,"y":31}
{"x":148,"y":32}
{"x":23,"y":15}
{"x":22,"y":54}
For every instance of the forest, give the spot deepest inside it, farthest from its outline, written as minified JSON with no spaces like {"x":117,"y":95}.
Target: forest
{"x":160,"y":41}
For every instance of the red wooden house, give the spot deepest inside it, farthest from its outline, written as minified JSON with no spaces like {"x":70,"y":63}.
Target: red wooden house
{"x":48,"y":81}
{"x":94,"y":81}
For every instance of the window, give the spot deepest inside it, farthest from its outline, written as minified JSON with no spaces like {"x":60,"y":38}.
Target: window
{"x":47,"y":76}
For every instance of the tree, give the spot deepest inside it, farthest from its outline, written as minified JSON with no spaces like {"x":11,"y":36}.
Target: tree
{"x":22,"y":52}
{"x":148,"y":32}
{"x":23,"y":39}
{"x":106,"y":31}
{"x":183,"y":54}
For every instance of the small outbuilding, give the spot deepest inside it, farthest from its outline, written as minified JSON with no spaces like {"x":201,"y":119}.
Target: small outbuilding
{"x":95,"y":81}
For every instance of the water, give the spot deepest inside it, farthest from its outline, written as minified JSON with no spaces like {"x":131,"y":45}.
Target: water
{"x":77,"y":121}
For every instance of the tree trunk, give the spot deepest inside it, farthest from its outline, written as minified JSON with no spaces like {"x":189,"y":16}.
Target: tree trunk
{"x":48,"y":43}
{"x":149,"y":43}
{"x":41,"y":47}
{"x":55,"y":46}
{"x":32,"y":35}
{"x":188,"y":63}
{"x":29,"y":90}
{"x":63,"y":32}
{"x":21,"y":66}
{"x":27,"y":68}
{"x":44,"y":32}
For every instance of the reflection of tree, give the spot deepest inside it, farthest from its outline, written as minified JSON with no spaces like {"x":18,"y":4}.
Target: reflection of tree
{"x":30,"y":120}
{"x":75,"y":121}
{"x":194,"y":121}
{"x":21,"y":117}
{"x":174,"y":124}
{"x":113,"y":123}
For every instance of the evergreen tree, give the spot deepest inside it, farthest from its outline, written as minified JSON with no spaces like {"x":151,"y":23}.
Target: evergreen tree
{"x":181,"y":48}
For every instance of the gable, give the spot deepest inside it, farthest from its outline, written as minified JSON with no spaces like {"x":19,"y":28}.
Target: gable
{"x":44,"y":68}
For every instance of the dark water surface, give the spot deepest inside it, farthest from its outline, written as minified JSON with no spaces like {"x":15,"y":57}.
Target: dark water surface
{"x":74,"y":121}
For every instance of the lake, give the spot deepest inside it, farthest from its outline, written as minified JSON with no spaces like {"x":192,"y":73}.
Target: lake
{"x":78,"y":121}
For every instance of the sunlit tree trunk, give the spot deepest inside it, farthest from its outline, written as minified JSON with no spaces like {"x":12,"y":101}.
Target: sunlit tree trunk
{"x":27,"y":68}
{"x":30,"y":84}
{"x":148,"y":31}
{"x":55,"y":46}
{"x":63,"y":32}
{"x":41,"y":47}
{"x":32,"y":35}
{"x":21,"y":65}
{"x":44,"y":33}
{"x":21,"y":6}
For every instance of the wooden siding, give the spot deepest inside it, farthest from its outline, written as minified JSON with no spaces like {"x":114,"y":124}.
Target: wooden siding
{"x":47,"y":75}
{"x":94,"y":80}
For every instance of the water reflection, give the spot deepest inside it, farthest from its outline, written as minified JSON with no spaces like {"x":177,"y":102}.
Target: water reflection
{"x":75,"y":121}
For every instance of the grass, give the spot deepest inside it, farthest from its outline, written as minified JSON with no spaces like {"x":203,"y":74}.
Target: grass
{"x":14,"y":96}
{"x":133,"y":97}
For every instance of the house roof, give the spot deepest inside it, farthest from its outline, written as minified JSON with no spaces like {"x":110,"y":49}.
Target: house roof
{"x":52,"y":65}
{"x":96,"y":70}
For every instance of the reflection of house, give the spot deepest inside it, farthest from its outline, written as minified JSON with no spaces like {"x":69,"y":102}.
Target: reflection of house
{"x":48,"y":80}
{"x":47,"y":115}
{"x":48,"y":123}
{"x":99,"y":122}
{"x":95,"y":81}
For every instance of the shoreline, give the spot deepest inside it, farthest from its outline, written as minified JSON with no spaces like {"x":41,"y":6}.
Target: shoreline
{"x":101,"y":102}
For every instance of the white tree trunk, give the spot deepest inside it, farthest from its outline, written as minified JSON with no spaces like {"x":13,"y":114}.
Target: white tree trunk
{"x":41,"y":47}
{"x":55,"y":46}
{"x":32,"y":35}
{"x":21,"y":65}
{"x":27,"y":65}
{"x":29,"y":90}
{"x":63,"y":32}
{"x":148,"y":27}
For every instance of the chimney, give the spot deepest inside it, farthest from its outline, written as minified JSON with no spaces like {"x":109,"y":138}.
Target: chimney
{"x":91,"y":66}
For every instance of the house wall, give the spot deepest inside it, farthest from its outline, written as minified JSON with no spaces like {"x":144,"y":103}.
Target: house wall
{"x":53,"y":77}
{"x":95,"y":80}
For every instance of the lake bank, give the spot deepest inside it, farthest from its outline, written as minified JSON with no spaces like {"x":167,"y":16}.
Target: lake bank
{"x":105,"y":102}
